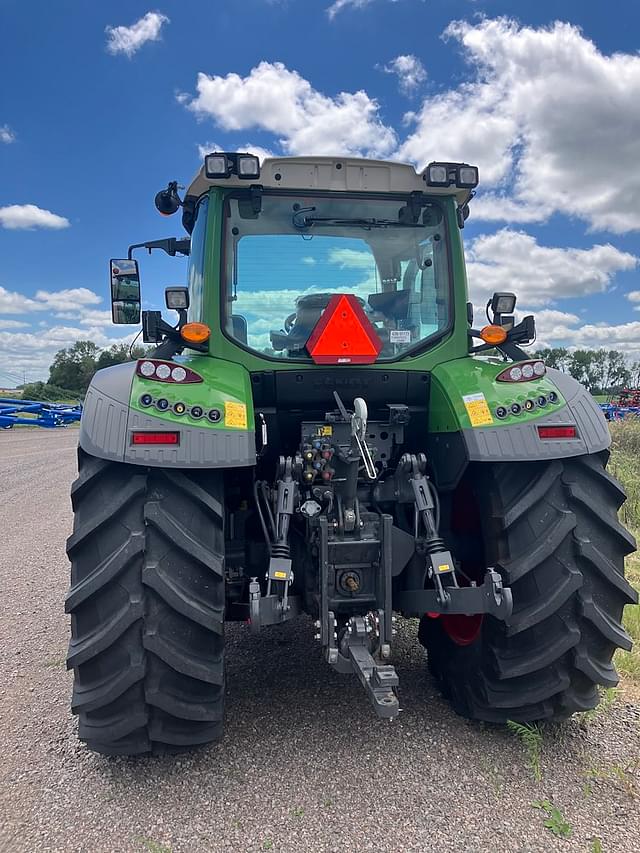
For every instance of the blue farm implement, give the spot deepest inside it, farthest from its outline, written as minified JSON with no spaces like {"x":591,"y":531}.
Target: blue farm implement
{"x":33,"y":413}
{"x":625,"y":405}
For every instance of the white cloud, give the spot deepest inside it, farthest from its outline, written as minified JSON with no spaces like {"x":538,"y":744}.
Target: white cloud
{"x":12,"y":324}
{"x":309,"y":261}
{"x":280,"y":101}
{"x":128,"y":40}
{"x":60,"y":300}
{"x":339,"y":5}
{"x":553,"y":124}
{"x":514,"y":261}
{"x":634,"y":296}
{"x":352,"y":259}
{"x":7,"y":135}
{"x":248,"y":148}
{"x":12,"y":302}
{"x":19,"y":216}
{"x":409,"y":71}
{"x":87,"y":317}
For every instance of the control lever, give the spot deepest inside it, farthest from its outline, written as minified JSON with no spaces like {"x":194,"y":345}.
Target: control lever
{"x":359,"y":432}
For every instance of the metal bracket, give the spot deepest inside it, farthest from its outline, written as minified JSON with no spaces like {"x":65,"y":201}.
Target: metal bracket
{"x":491,"y":598}
{"x":378,"y":680}
{"x":270,"y":609}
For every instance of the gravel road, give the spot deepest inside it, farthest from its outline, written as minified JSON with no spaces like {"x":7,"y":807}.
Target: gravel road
{"x":304,"y":766}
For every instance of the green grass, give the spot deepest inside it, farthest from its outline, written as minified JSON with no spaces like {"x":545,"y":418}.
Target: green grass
{"x":625,"y":465}
{"x":530,"y":735}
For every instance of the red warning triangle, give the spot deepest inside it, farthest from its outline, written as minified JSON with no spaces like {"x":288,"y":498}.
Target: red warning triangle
{"x":344,"y":334}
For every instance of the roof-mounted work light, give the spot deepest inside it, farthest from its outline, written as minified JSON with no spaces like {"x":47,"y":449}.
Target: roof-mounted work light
{"x":437,"y":175}
{"x":247,"y":166}
{"x":460,"y":175}
{"x":223,"y":165}
{"x":467,"y":177}
{"x":217,"y":166}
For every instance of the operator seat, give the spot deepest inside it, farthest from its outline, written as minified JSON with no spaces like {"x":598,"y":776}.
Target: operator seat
{"x":299,"y":325}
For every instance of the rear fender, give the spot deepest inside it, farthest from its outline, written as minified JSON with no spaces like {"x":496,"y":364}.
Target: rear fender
{"x":113,"y":411}
{"x":464,"y":426}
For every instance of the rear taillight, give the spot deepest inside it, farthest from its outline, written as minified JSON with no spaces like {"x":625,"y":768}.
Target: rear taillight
{"x":557,"y":432}
{"x":166,"y":371}
{"x":155,"y":438}
{"x":523,"y":371}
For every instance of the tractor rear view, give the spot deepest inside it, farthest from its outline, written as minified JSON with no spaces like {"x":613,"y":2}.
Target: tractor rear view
{"x":323,"y":432}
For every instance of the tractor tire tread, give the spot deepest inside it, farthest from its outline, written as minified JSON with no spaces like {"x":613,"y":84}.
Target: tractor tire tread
{"x":147,"y":641}
{"x":556,"y":539}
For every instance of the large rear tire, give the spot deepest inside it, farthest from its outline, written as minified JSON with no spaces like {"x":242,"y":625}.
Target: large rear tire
{"x":551,"y":529}
{"x":147,"y":606}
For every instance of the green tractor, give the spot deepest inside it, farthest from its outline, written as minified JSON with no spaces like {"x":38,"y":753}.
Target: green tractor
{"x":324,"y":432}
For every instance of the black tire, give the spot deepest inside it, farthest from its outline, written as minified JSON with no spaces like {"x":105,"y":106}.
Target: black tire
{"x":147,"y":607}
{"x":552,"y":531}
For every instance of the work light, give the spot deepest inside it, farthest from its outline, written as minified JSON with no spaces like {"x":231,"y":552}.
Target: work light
{"x":217,"y":166}
{"x":503,"y":303}
{"x":177,"y":298}
{"x":247,"y":166}
{"x":467,"y":179}
{"x":437,"y":175}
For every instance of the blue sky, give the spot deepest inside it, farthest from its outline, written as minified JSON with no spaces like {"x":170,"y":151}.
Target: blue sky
{"x":102,"y":104}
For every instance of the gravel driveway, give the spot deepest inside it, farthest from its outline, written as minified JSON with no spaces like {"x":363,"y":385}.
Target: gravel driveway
{"x":304,"y":766}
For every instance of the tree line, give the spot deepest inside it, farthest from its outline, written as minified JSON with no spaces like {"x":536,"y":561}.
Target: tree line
{"x":73,"y":368}
{"x":602,"y":371}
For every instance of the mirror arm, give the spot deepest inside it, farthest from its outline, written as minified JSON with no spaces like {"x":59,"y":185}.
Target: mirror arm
{"x":170,"y":245}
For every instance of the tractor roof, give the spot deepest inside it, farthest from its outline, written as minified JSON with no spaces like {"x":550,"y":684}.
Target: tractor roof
{"x":337,"y":174}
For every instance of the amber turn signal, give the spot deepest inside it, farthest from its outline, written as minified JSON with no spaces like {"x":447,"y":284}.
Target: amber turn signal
{"x":493,"y":334}
{"x":195,"y":333}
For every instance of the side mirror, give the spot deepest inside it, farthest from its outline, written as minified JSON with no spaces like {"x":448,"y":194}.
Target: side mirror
{"x":125,"y":291}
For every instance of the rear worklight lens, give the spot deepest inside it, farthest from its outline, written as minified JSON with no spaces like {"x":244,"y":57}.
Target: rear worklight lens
{"x":166,"y":371}
{"x":557,"y":432}
{"x":522,"y":372}
{"x":527,"y":371}
{"x":155,"y":438}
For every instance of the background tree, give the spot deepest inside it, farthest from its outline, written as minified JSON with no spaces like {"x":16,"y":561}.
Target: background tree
{"x":118,"y":354}
{"x":73,"y":368}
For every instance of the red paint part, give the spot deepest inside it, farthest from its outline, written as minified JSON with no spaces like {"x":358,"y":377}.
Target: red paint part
{"x":463,"y":630}
{"x":344,"y":334}
{"x":155,"y":438}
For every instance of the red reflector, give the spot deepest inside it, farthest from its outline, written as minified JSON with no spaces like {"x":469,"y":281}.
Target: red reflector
{"x":344,"y":334}
{"x":557,"y":432}
{"x":155,"y":438}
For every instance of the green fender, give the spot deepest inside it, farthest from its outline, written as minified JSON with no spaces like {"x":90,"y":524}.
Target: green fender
{"x":465,"y":423}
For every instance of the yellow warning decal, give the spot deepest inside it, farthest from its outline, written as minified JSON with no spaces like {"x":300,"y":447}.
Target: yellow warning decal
{"x":477,"y":409}
{"x":235,"y":414}
{"x":445,"y":567}
{"x":280,"y":575}
{"x":325,"y":430}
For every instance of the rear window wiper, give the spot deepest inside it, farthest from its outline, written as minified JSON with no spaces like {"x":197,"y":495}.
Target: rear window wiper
{"x":301,"y":219}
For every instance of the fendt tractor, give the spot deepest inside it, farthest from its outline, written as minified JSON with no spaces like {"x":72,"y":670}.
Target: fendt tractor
{"x":323,"y":431}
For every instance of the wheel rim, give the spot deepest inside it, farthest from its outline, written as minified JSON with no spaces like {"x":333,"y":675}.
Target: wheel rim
{"x":462,"y":630}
